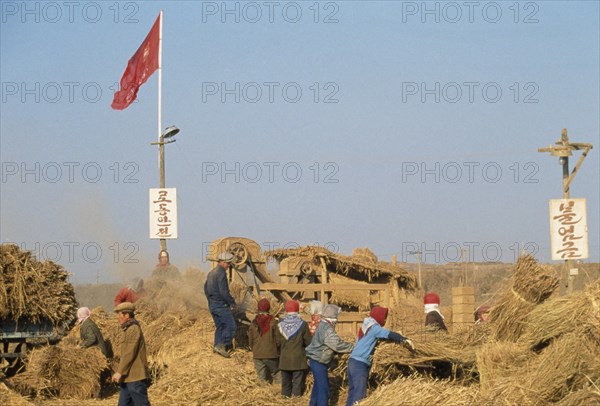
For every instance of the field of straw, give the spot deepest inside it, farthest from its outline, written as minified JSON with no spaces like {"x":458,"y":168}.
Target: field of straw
{"x":547,"y":353}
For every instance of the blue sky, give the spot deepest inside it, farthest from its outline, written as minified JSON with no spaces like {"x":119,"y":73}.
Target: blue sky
{"x":400,"y":133}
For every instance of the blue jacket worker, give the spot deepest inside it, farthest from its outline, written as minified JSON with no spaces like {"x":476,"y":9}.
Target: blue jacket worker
{"x":221,"y":304}
{"x":320,"y":352}
{"x":361,"y":357}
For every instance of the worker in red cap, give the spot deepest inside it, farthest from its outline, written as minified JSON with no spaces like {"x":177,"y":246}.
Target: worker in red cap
{"x":361,"y":357}
{"x":293,"y":336}
{"x":434,"y":318}
{"x":261,"y":336}
{"x":482,"y":314}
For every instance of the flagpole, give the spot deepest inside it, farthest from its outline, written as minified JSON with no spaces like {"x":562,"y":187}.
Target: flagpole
{"x":161,"y":145}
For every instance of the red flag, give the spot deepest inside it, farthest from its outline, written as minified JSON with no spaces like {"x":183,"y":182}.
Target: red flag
{"x":139,"y":68}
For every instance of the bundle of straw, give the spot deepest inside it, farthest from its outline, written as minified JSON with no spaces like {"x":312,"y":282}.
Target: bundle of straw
{"x":416,"y":390}
{"x":9,"y":397}
{"x":578,"y":311}
{"x":34,"y":291}
{"x":531,"y":283}
{"x":63,"y":371}
{"x":585,"y":397}
{"x":193,"y":374}
{"x":567,"y":365}
{"x":498,"y":360}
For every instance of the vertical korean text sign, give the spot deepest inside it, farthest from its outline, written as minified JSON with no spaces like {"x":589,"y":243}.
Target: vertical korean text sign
{"x":568,"y":229}
{"x":163,"y":213}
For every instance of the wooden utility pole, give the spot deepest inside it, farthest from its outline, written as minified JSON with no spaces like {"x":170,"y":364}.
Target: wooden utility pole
{"x":418,"y":254}
{"x":563,"y":149}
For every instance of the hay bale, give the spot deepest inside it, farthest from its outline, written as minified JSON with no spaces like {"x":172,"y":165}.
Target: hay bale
{"x":531,"y":284}
{"x":9,"y":397}
{"x":34,"y":291}
{"x":420,"y":391}
{"x":584,"y":397}
{"x":193,"y":374}
{"x":567,"y":365}
{"x":558,"y":316}
{"x":498,"y":360}
{"x":62,"y":371}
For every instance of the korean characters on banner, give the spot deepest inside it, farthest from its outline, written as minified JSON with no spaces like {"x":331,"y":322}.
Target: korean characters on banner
{"x":163,"y":213}
{"x":568,"y":229}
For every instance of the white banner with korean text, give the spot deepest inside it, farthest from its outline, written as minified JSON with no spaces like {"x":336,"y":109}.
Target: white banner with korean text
{"x":568,"y":229}
{"x":163,"y":213}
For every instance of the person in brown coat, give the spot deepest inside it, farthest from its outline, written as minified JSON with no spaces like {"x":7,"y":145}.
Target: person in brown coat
{"x":261,"y":337}
{"x":132,"y":372}
{"x":293,"y":335}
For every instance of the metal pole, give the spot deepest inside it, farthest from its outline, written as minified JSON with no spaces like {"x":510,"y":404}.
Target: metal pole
{"x":161,"y":160}
{"x":161,"y":139}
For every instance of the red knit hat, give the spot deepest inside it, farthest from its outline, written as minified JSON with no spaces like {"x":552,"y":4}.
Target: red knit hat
{"x":431,"y":298}
{"x":379,"y":314}
{"x":264,"y":305}
{"x":292,"y":306}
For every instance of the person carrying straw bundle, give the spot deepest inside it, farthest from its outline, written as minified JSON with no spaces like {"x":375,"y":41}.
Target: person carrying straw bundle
{"x":361,"y":357}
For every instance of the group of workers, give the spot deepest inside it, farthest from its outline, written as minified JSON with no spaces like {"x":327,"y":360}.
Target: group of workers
{"x":283,"y":350}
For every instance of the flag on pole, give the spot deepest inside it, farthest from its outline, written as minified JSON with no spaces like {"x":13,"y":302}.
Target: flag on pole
{"x":139,"y":68}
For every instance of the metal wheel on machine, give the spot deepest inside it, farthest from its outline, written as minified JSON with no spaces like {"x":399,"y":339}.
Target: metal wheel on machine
{"x":240,"y":255}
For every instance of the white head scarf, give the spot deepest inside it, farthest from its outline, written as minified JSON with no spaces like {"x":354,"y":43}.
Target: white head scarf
{"x":83,"y":313}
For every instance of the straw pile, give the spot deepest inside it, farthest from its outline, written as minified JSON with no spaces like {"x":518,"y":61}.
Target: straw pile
{"x":9,"y":397}
{"x":531,"y":284}
{"x":416,"y":390}
{"x":497,"y":361}
{"x":584,"y":397}
{"x":350,"y":298}
{"x":567,"y":365}
{"x":579,"y":311}
{"x":33,"y":290}
{"x":193,"y":374}
{"x":62,"y":371}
